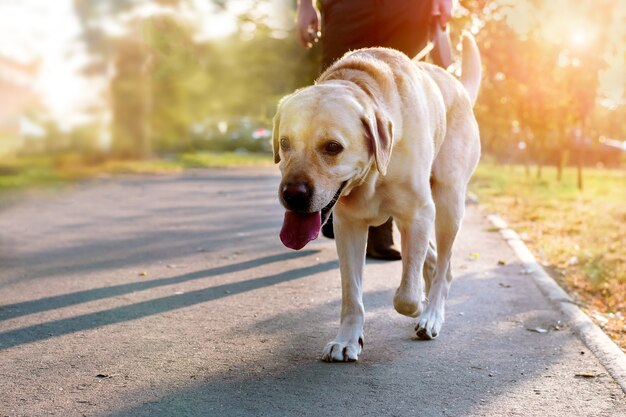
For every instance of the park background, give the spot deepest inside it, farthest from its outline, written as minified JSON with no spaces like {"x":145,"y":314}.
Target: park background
{"x":93,"y":88}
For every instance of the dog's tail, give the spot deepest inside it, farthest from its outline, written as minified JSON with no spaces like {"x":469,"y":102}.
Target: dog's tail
{"x":471,"y":67}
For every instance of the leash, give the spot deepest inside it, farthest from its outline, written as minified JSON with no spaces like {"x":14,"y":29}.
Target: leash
{"x":438,"y":46}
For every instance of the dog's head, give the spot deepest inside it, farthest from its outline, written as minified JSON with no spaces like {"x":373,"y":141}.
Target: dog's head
{"x":325,"y":137}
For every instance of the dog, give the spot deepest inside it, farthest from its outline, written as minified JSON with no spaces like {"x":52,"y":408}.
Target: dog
{"x":381,"y":135}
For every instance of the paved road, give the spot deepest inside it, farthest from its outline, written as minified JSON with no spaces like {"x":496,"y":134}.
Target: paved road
{"x":172,"y":296}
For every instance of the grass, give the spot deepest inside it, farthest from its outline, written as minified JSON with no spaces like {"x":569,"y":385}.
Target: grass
{"x":21,"y":173}
{"x":579,"y":235}
{"x":224,"y":160}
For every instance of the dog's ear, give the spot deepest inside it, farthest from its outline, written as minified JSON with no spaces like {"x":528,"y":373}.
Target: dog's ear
{"x":275,"y":128}
{"x":379,"y":134}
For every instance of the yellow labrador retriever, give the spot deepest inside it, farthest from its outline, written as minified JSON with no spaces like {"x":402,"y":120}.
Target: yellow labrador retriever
{"x":379,"y":135}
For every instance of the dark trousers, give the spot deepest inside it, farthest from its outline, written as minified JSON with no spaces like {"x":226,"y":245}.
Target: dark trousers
{"x":355,"y":24}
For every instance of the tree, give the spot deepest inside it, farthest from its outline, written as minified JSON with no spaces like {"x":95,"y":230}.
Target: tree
{"x":541,"y":71}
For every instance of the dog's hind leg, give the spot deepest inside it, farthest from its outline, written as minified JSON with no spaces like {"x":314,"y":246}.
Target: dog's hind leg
{"x":430,"y":265}
{"x":450,"y":204}
{"x":351,"y":239}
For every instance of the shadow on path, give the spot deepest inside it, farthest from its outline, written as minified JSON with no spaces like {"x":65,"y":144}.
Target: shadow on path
{"x":121,"y":314}
{"x":10,"y":311}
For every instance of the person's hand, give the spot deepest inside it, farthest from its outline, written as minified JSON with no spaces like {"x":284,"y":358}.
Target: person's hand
{"x":442,"y":12}
{"x":307,"y":23}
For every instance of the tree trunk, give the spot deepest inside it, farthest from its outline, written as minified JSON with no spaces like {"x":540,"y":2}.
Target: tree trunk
{"x":579,"y":170}
{"x":559,"y":166}
{"x":579,"y":153}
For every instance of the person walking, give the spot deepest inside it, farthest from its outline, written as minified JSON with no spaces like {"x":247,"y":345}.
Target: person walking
{"x":345,"y":25}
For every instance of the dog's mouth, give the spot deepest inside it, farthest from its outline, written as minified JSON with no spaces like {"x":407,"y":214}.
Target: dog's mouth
{"x":301,"y":228}
{"x":329,"y":207}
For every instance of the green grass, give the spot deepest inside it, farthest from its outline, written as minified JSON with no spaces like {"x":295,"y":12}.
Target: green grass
{"x":598,"y":184}
{"x":223,"y":160}
{"x":579,"y":233}
{"x":26,"y":173}
{"x":22,"y":173}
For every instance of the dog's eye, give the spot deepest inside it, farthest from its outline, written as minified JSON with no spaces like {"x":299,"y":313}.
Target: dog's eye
{"x":284,"y":143}
{"x":333,"y":148}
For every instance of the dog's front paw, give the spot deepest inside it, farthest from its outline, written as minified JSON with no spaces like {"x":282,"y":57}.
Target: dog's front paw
{"x":407,"y":303}
{"x":342,"y":351}
{"x":429,"y":324}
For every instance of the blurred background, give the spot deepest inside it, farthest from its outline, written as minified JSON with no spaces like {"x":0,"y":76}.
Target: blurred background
{"x":143,"y":78}
{"x":85,"y":80}
{"x":90,"y":87}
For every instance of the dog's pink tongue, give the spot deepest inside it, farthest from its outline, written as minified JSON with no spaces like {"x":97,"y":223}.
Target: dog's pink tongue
{"x":300,"y":228}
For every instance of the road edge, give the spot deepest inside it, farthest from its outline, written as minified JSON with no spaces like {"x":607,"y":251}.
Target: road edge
{"x":607,"y":352}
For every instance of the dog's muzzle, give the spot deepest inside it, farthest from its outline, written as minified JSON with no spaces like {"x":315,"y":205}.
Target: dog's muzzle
{"x":300,"y":227}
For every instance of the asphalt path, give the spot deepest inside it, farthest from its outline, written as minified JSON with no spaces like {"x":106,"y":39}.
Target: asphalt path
{"x":173,"y":296}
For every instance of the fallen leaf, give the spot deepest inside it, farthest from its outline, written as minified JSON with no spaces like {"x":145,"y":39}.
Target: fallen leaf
{"x":143,"y":273}
{"x":472,"y":198}
{"x":572,"y":261}
{"x":537,"y":330}
{"x":501,"y":262}
{"x":600,"y":318}
{"x":504,"y":285}
{"x":473,"y":256}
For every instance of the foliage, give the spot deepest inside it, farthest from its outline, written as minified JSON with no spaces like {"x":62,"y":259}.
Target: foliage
{"x":539,"y":83}
{"x":166,"y":80}
{"x":218,"y":80}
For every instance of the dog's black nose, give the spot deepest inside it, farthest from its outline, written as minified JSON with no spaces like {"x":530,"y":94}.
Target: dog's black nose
{"x":296,"y":196}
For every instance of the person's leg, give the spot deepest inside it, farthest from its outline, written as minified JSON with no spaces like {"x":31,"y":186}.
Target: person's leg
{"x":354,"y":24}
{"x":404,"y":25}
{"x":380,"y":242}
{"x":401,"y":25}
{"x":347,"y":25}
